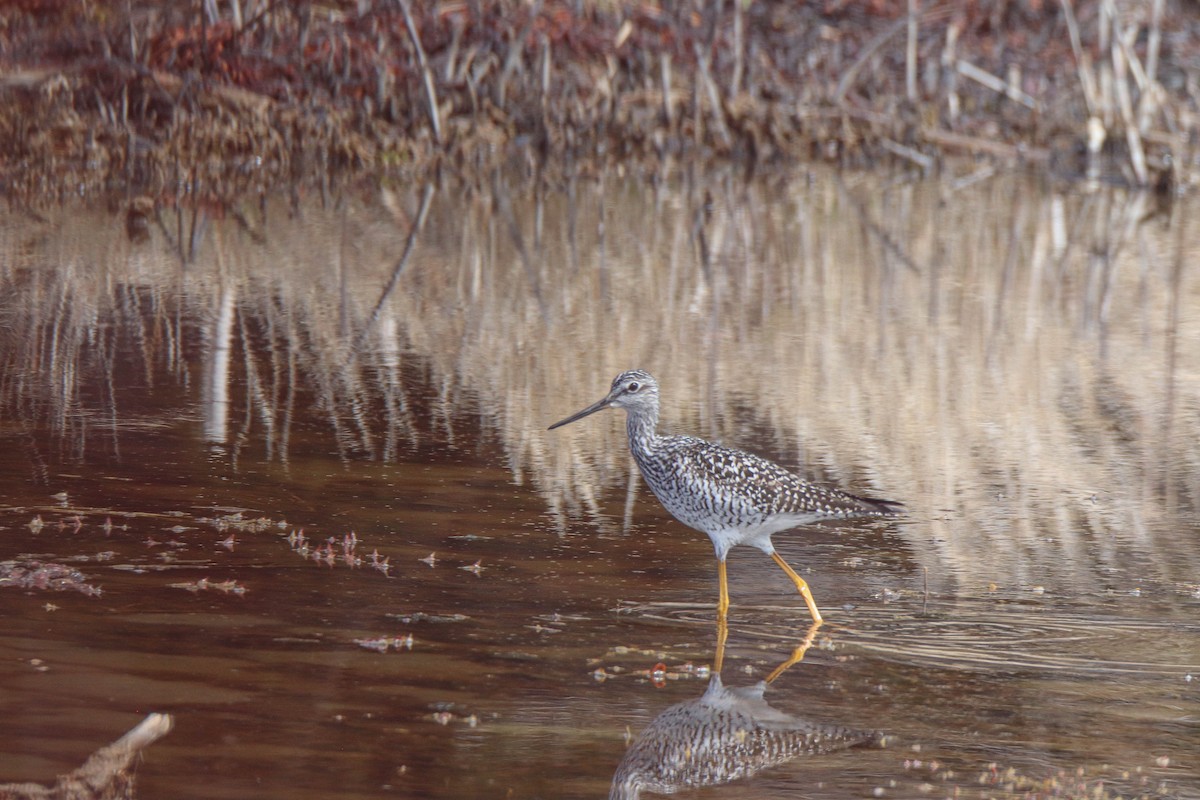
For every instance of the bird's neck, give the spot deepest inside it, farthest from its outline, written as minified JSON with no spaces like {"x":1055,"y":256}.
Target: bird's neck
{"x":642,"y":431}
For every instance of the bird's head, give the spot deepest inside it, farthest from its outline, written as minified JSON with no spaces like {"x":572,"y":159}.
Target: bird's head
{"x":634,"y":390}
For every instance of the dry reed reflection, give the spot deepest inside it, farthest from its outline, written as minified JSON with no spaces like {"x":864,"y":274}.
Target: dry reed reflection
{"x":1011,"y":358}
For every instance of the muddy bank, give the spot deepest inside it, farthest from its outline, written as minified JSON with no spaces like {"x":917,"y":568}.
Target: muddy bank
{"x":175,"y":101}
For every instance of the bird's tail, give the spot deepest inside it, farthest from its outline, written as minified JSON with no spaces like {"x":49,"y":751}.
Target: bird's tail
{"x":886,"y":508}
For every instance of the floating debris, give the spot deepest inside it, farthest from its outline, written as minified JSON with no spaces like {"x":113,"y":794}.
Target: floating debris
{"x":658,"y":674}
{"x":421,"y":616}
{"x":349,"y":557}
{"x":46,"y":576}
{"x":103,"y":555}
{"x":325,"y":555}
{"x":444,"y":716}
{"x":335,"y":550}
{"x":239,"y":522}
{"x":204,"y":584}
{"x":382,"y":644}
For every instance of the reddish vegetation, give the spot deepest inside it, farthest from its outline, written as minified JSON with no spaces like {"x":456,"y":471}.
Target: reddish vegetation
{"x":149,"y":96}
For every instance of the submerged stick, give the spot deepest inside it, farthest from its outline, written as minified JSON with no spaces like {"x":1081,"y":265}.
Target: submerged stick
{"x":1148,"y":101}
{"x":1082,"y":64}
{"x":664,"y":61}
{"x":949,"y":73}
{"x":516,"y":50}
{"x":910,"y":53}
{"x":869,"y":50}
{"x":426,"y":73}
{"x":1133,"y":138}
{"x":713,"y":93}
{"x":106,"y":772}
{"x":414,"y":231}
{"x":985,"y":78}
{"x":739,"y":50}
{"x":916,"y":156}
{"x":889,"y":244}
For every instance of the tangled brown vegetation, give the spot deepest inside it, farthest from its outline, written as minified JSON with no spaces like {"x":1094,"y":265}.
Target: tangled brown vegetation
{"x":212,"y":100}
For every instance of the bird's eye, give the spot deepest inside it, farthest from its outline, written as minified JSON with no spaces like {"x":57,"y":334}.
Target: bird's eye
{"x":633,"y":386}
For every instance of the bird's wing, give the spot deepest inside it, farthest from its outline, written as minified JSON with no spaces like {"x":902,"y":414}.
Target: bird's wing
{"x":755,"y":483}
{"x":743,"y":479}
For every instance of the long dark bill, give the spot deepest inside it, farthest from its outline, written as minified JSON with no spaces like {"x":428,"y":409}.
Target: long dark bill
{"x":599,"y":405}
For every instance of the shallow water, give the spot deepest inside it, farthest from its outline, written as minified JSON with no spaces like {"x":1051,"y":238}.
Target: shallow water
{"x":292,"y":446}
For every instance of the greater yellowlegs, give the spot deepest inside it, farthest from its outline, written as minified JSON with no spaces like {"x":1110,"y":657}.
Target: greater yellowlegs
{"x":734,"y":496}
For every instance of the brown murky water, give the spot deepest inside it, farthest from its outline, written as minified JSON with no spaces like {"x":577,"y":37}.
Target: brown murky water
{"x":293,"y":446}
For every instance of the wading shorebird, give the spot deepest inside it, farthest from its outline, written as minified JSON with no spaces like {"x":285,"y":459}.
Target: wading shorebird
{"x":733,"y":496}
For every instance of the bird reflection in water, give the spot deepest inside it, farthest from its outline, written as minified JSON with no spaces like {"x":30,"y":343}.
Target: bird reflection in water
{"x":726,"y":734}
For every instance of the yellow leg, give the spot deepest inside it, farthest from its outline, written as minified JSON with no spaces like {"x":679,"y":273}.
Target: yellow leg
{"x":797,"y":654}
{"x":722,"y":635}
{"x":722,"y":614}
{"x":723,"y":602}
{"x":796,"y":579}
